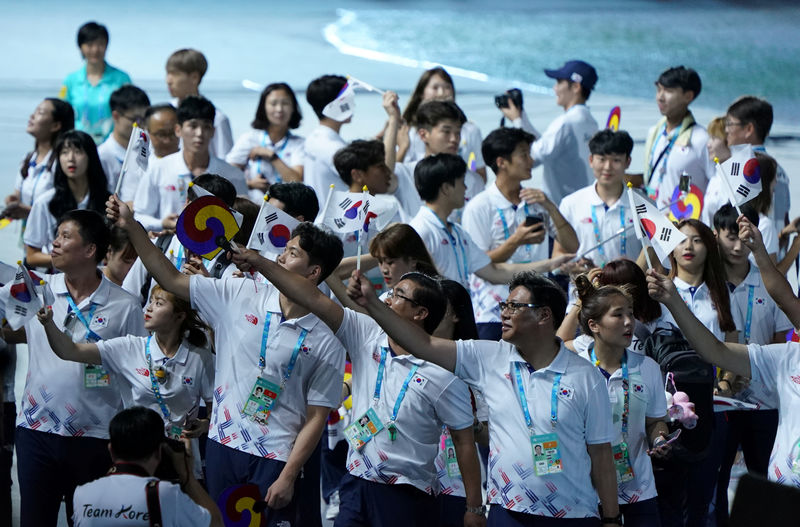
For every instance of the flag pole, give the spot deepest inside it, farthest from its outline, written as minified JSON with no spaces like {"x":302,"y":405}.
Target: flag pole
{"x":728,"y":186}
{"x":637,"y":226}
{"x":364,"y":201}
{"x":122,"y":172}
{"x":253,"y":233}
{"x":324,"y":211}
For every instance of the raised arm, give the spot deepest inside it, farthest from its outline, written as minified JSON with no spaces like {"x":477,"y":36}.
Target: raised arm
{"x":63,"y":346}
{"x":412,"y":338}
{"x":153,"y":259}
{"x":728,"y":356}
{"x":390,"y":134}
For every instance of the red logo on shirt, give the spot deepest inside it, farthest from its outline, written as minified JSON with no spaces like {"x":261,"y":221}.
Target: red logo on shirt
{"x":171,"y":188}
{"x":143,"y":371}
{"x":251,"y":318}
{"x":445,"y":242}
{"x":796,"y":379}
{"x":586,"y":220}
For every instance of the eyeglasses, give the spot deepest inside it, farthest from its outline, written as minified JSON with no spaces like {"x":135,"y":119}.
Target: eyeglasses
{"x":394,"y":294}
{"x":134,"y":118}
{"x":731,"y":124}
{"x":512,"y":307}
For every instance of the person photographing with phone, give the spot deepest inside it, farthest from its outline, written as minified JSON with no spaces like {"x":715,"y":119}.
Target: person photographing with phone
{"x":510,"y":223}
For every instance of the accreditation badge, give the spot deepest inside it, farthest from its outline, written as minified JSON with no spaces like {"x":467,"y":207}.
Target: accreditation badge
{"x":546,"y":454}
{"x":622,"y":462}
{"x":261,"y":400}
{"x":451,"y":463}
{"x":361,"y":430}
{"x":95,"y":377}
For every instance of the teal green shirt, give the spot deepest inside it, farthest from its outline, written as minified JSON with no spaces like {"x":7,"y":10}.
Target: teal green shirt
{"x":92,"y":113}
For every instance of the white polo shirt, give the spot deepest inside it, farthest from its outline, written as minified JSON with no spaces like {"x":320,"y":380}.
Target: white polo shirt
{"x":190,"y":376}
{"x":584,"y":418}
{"x":121,"y":499}
{"x":699,"y":301}
{"x":777,"y":367}
{"x":162,"y":189}
{"x":55,"y":399}
{"x":455,"y":254}
{"x":582,"y":207}
{"x":766,"y":319}
{"x":289,"y":148}
{"x":490,"y":219}
{"x":435,"y":397}
{"x":112,"y":156}
{"x":236,"y":313}
{"x":646,"y":399}
{"x":41,"y":225}
{"x":563,"y":150}
{"x":38,"y":181}
{"x":319,"y":172}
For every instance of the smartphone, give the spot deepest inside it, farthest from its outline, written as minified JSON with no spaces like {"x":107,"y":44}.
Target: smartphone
{"x":533,"y":219}
{"x":670,"y":438}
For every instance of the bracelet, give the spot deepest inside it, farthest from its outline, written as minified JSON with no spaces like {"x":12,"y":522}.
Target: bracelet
{"x":273,"y":157}
{"x":349,"y":390}
{"x":477,"y":510}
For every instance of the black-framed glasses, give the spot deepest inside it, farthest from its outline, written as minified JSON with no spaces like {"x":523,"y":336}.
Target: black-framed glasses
{"x":512,"y":307}
{"x":394,"y":294}
{"x":138,"y":119}
{"x":731,"y":124}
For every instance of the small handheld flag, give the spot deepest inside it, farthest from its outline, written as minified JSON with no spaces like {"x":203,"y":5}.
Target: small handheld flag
{"x":138,"y":152}
{"x":661,"y":234}
{"x":272,"y":230}
{"x":22,"y":303}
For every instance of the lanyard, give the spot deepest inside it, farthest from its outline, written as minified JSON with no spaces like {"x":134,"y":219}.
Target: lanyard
{"x":38,"y":173}
{"x":179,"y":260}
{"x":463,"y":269}
{"x":262,"y":361}
{"x":506,"y":230}
{"x":264,"y":138}
{"x":749,"y":318}
{"x":623,"y":238}
{"x":664,"y":154}
{"x":153,"y":381}
{"x":89,"y":333}
{"x":523,"y":400}
{"x":376,"y":395}
{"x":625,"y":386}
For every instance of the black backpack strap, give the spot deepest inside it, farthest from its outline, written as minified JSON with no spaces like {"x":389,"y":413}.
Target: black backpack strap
{"x":153,"y":503}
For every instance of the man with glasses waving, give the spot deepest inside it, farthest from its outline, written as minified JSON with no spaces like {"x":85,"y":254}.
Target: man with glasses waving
{"x":550,"y":452}
{"x":400,"y":404}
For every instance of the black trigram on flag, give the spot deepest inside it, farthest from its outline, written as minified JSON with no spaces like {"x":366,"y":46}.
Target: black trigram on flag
{"x":744,"y":190}
{"x":260,"y":236}
{"x":665,"y":234}
{"x":143,"y":152}
{"x":735,"y":168}
{"x":18,"y":276}
{"x":339,"y":222}
{"x":20,"y":310}
{"x":345,"y":204}
{"x":271,"y":217}
{"x":641,"y":209}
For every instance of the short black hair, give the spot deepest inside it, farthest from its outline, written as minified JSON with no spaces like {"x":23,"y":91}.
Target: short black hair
{"x":324,"y":248}
{"x":434,"y":171}
{"x":127,"y":97}
{"x":298,"y":199}
{"x":502,"y":143}
{"x":91,"y":31}
{"x":261,"y":122}
{"x":681,"y":77}
{"x":217,"y":185}
{"x":92,"y":227}
{"x":429,"y":295}
{"x":358,"y":155}
{"x":725,"y":218}
{"x":544,"y":292}
{"x":608,"y":141}
{"x":136,"y":433}
{"x":195,"y":107}
{"x":752,"y":109}
{"x":152,"y":110}
{"x":323,"y":90}
{"x":432,"y":113}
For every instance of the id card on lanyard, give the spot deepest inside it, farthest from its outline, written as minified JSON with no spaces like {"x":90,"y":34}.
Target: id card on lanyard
{"x":94,"y":376}
{"x":159,"y":375}
{"x":544,"y":447}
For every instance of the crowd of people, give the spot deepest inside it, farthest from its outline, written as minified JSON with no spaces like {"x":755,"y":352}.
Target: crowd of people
{"x":494,"y":357}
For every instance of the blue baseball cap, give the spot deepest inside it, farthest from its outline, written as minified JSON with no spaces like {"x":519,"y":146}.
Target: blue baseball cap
{"x":575,"y":71}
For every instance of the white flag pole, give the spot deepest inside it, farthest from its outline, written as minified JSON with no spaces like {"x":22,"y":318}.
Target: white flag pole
{"x":728,"y":186}
{"x":637,"y":226}
{"x":364,"y":201}
{"x":324,"y":212}
{"x":122,"y":172}
{"x":260,"y":212}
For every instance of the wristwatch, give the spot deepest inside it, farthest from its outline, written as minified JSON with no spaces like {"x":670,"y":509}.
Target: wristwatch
{"x":274,"y":156}
{"x":477,"y":510}
{"x":617,"y":520}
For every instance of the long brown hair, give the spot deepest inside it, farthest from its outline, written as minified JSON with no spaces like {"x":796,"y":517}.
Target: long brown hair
{"x":713,"y":273}
{"x":410,"y":113}
{"x":192,"y":328}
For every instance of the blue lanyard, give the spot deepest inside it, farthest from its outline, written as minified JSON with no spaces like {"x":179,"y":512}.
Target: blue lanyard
{"x":625,"y":387}
{"x":262,"y":360}
{"x":89,"y":333}
{"x":264,"y":137}
{"x":376,"y":395}
{"x":179,"y":260}
{"x":463,"y":272}
{"x":623,"y":239}
{"x":749,"y":319}
{"x":663,"y":155}
{"x":38,"y":173}
{"x":506,"y":230}
{"x":153,"y":381}
{"x":523,"y":401}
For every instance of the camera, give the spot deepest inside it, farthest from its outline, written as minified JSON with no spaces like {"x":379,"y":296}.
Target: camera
{"x":501,"y":101}
{"x":166,"y":470}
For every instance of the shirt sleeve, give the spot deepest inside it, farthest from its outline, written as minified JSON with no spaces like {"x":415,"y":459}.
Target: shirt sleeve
{"x":117,"y":353}
{"x":240,"y":151}
{"x":599,"y":427}
{"x":654,"y":384}
{"x":223,"y":135}
{"x":325,"y":384}
{"x":147,"y":200}
{"x":355,"y":330}
{"x":766,"y":362}
{"x":36,"y":234}
{"x":476,"y":258}
{"x":478,"y":224}
{"x":769,"y":234}
{"x":469,"y":362}
{"x":178,"y":509}
{"x":211,"y":296}
{"x":782,"y":322}
{"x":454,"y":406}
{"x":550,"y":143}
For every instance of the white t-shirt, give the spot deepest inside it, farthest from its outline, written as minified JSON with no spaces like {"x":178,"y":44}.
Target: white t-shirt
{"x":41,"y":226}
{"x":38,"y":181}
{"x":190,"y":376}
{"x":55,"y":399}
{"x":162,"y":190}
{"x":121,"y":499}
{"x":112,"y":156}
{"x":434,"y":397}
{"x":455,"y":254}
{"x":236,"y":313}
{"x":584,"y":418}
{"x":319,"y":172}
{"x":289,"y":149}
{"x":580,"y":210}
{"x":777,"y":367}
{"x":490,"y":219}
{"x":646,"y":399}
